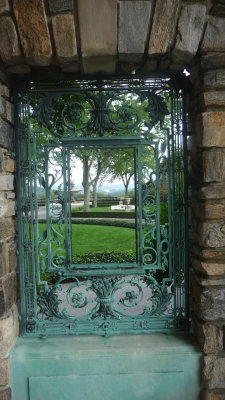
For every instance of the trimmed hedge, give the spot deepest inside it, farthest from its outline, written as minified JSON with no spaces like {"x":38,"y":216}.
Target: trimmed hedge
{"x":104,"y":222}
{"x":112,"y":214}
{"x":107,"y":256}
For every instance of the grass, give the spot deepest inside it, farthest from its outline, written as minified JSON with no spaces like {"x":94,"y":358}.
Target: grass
{"x":94,"y":238}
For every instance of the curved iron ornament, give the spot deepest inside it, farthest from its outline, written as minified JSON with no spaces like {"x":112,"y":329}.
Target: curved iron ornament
{"x":99,"y":113}
{"x":98,"y":300}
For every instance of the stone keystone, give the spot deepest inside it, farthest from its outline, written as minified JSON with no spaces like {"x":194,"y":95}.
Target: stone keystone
{"x":33,"y":31}
{"x":64,"y":37}
{"x":98,"y":22}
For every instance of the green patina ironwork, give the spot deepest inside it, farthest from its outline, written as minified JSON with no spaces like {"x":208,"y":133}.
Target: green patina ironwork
{"x":54,"y":119}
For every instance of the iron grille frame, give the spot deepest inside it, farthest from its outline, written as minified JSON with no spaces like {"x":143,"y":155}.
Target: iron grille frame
{"x":58,"y":323}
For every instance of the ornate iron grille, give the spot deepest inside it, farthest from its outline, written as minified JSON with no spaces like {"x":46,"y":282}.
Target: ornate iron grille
{"x":146,"y":115}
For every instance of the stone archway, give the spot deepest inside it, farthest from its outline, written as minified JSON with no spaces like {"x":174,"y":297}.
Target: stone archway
{"x":65,"y":37}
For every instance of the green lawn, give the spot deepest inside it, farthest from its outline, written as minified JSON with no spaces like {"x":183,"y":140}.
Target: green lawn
{"x":94,"y":238}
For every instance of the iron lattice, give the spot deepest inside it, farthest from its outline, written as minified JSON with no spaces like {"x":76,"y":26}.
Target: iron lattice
{"x":148,"y":116}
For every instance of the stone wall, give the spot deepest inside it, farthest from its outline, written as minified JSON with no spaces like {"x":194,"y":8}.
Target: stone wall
{"x":77,"y":36}
{"x":208,"y":220}
{"x":8,"y":245}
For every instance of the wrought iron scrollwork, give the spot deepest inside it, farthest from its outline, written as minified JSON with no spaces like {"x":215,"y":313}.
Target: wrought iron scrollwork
{"x":59,"y":296}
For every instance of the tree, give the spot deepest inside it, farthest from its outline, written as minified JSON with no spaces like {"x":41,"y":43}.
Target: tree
{"x":101,"y":166}
{"x":122,"y":166}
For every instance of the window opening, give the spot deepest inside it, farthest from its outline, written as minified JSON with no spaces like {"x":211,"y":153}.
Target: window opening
{"x":134,"y":125}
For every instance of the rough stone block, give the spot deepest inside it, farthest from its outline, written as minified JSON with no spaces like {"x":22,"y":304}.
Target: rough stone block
{"x":98,"y":22}
{"x":9,"y":165}
{"x":210,"y":303}
{"x":6,"y":110}
{"x":210,"y":337}
{"x":214,"y":98}
{"x":164,"y":26}
{"x":214,"y":79}
{"x":213,"y":164}
{"x":190,"y":29}
{"x":4,"y":258}
{"x":64,"y":37}
{"x":212,"y":234}
{"x":206,"y":395}
{"x":7,"y":228}
{"x":6,"y":182}
{"x":6,"y":394}
{"x":210,"y":282}
{"x":212,"y":60}
{"x":209,"y":210}
{"x":70,"y":67}
{"x":7,"y":206}
{"x":210,"y":128}
{"x":20,"y":69}
{"x":4,"y":371}
{"x":209,"y":255}
{"x":33,"y":31}
{"x":57,"y":6}
{"x":4,"y":91}
{"x":94,"y":65}
{"x":214,"y":372}
{"x":9,"y":44}
{"x":211,"y":269}
{"x":134,"y":22}
{"x":8,"y":258}
{"x":211,"y":192}
{"x":218,"y":8}
{"x":214,"y":38}
{"x":12,"y":248}
{"x":4,"y":6}
{"x":8,"y":292}
{"x":9,"y":330}
{"x":7,"y":136}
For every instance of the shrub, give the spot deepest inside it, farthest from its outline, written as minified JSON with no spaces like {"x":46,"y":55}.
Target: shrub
{"x":107,"y":256}
{"x":104,"y":222}
{"x":112,"y":214}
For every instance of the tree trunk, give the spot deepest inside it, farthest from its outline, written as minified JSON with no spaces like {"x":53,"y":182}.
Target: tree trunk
{"x":86,"y":184}
{"x":95,"y":195}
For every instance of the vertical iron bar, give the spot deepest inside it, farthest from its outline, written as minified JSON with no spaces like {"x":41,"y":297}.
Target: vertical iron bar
{"x":158,"y":241}
{"x":139,"y":152}
{"x":137,"y":222}
{"x":48,"y":221}
{"x":65,"y":187}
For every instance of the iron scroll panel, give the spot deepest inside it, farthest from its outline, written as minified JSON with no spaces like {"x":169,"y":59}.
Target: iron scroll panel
{"x":150,"y":295}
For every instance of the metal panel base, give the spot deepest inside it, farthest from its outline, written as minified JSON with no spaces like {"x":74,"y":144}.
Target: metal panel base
{"x":134,"y":367}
